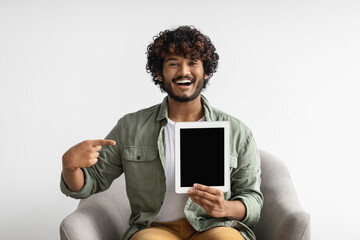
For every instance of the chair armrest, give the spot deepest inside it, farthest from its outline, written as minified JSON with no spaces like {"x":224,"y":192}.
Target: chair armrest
{"x":86,"y":224}
{"x":282,"y":216}
{"x":103,"y":215}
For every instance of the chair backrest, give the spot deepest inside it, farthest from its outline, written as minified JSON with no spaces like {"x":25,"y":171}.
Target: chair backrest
{"x":282,"y":216}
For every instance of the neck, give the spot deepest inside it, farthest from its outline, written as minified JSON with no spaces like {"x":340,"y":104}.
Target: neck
{"x":185,"y":111}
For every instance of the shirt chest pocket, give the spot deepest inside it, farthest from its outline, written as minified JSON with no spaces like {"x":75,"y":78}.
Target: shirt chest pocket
{"x":140,"y":168}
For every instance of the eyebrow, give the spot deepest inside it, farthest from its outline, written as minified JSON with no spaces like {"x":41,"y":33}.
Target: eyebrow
{"x":171,"y":59}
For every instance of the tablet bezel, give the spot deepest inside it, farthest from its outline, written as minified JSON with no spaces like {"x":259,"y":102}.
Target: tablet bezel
{"x":203,"y":124}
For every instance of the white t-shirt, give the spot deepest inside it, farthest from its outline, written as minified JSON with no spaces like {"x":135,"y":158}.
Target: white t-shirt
{"x":173,"y":206}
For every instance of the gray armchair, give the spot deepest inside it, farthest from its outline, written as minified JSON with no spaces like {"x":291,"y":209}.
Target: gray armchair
{"x":105,"y":215}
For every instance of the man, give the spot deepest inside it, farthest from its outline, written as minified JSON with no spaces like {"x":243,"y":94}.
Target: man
{"x":141,"y":146}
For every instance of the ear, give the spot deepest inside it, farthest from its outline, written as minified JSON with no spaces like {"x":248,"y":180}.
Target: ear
{"x":159,"y":77}
{"x":206,"y":76}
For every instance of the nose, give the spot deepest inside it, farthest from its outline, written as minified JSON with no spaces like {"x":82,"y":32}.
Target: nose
{"x":184,"y":70}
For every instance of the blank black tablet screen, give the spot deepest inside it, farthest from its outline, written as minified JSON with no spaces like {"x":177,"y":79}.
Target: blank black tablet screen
{"x":202,"y":156}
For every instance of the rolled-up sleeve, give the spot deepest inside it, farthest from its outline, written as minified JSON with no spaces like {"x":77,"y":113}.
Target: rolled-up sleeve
{"x":99,"y":176}
{"x":84,"y":192}
{"x":246,"y":181}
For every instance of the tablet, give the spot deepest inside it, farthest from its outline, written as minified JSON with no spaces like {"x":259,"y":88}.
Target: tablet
{"x":202,"y":155}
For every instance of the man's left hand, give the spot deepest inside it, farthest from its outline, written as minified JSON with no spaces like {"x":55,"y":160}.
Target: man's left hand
{"x":211,"y":199}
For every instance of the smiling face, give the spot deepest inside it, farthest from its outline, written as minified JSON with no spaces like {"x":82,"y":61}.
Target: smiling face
{"x":183,"y":78}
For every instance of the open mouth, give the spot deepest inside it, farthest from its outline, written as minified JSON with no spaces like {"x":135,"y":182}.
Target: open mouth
{"x":183,"y":82}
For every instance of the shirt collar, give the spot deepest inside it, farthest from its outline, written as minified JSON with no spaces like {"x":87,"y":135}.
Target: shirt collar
{"x":163,"y":112}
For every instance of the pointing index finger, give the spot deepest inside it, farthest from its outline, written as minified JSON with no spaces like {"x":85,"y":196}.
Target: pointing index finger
{"x":103,"y":142}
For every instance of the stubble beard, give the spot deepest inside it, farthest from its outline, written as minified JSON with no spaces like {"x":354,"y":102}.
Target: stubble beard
{"x":198,"y":88}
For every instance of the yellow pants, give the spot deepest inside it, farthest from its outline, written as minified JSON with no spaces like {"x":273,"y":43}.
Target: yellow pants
{"x":182,"y":230}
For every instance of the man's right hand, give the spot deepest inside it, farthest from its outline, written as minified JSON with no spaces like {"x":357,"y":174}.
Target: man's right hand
{"x":84,"y":154}
{"x":81,"y":155}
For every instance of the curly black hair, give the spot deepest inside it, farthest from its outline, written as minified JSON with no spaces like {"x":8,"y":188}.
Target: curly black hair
{"x":186,"y":41}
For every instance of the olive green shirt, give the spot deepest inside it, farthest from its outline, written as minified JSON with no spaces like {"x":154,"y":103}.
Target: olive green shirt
{"x":139,"y":153}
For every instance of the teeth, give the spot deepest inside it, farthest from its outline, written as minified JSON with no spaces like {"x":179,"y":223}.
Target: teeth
{"x":183,"y":81}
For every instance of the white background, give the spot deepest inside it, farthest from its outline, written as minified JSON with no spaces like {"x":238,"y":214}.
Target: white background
{"x":288,"y":69}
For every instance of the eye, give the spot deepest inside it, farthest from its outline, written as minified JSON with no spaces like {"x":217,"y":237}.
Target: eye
{"x":193,"y":63}
{"x":172,"y":64}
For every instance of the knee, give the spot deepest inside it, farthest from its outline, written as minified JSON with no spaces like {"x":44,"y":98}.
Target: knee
{"x":143,"y":235}
{"x":227,"y":233}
